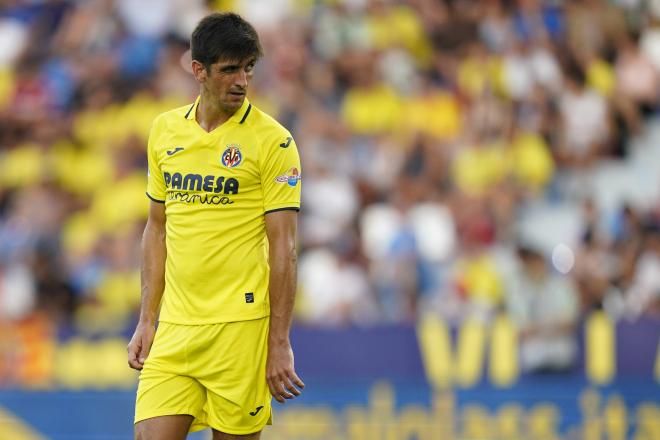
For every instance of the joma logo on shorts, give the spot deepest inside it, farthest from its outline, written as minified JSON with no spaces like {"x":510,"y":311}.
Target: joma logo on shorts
{"x":256,"y":411}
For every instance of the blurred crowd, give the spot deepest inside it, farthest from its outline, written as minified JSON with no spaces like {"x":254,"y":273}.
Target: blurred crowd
{"x":427,"y":130}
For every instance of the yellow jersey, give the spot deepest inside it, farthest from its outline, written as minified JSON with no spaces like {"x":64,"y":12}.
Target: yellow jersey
{"x":217,"y":188}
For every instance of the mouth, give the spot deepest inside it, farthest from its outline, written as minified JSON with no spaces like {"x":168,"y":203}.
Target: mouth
{"x":237,"y":94}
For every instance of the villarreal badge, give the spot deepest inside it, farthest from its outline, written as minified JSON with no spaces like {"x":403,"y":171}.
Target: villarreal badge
{"x":232,"y":156}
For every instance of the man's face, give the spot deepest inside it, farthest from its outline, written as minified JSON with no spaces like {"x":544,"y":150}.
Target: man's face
{"x":227,"y":82}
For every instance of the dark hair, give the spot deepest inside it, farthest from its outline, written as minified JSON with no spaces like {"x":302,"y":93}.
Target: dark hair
{"x":224,"y":36}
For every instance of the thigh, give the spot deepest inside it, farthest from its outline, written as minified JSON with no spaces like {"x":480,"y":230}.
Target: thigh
{"x":163,"y":428}
{"x":232,"y":368}
{"x":165,"y":394}
{"x":217,"y":435}
{"x":165,"y":388}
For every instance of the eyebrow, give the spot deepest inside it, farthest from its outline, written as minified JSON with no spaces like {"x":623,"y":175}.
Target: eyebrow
{"x":229,"y":66}
{"x":238,"y":64}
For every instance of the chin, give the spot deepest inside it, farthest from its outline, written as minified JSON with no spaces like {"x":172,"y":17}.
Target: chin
{"x":232,"y":105}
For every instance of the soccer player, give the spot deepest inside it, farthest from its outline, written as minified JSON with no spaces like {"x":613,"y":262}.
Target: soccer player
{"x":219,"y":251}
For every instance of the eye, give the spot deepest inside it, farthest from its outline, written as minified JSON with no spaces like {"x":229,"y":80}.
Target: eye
{"x":249,"y":67}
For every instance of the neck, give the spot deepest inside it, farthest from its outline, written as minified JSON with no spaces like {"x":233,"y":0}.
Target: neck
{"x":210,"y":114}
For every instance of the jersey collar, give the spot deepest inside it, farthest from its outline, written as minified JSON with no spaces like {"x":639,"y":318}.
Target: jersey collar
{"x":239,"y":116}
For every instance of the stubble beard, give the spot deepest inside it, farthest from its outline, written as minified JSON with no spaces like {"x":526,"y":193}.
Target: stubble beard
{"x":229,"y":106}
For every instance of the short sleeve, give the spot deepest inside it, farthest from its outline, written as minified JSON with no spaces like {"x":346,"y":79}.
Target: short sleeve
{"x":155,"y":182}
{"x":281,"y":175}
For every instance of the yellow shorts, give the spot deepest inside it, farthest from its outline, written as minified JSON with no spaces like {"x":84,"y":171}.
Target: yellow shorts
{"x":216,"y":373}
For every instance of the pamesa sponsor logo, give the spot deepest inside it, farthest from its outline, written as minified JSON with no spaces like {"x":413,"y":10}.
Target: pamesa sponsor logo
{"x":214,"y":188}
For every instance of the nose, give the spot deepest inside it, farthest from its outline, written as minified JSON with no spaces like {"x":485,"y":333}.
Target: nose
{"x":241,"y":78}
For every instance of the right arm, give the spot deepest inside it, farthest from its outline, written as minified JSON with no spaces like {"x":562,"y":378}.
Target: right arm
{"x":153,"y":284}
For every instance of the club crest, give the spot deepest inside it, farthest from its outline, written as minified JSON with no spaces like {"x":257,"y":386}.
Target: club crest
{"x":232,"y":156}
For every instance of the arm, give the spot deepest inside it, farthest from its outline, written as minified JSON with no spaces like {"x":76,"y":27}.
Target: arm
{"x":280,"y":372}
{"x":153,"y":284}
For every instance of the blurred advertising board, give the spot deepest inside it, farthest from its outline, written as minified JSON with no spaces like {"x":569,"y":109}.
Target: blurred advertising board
{"x":428,"y":381}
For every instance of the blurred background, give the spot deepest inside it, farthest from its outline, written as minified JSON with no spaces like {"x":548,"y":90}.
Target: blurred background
{"x":480,"y":234}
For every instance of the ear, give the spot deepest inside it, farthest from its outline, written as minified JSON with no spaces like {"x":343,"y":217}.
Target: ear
{"x":199,"y":71}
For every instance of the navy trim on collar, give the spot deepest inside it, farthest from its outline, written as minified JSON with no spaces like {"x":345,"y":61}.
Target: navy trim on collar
{"x":247,"y":112}
{"x":190,"y":109}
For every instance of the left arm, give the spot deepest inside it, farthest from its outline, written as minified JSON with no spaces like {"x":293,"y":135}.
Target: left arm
{"x":280,"y":372}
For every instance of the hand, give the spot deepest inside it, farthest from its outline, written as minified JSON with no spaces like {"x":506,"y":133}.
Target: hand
{"x":138,"y":348}
{"x":280,"y":373}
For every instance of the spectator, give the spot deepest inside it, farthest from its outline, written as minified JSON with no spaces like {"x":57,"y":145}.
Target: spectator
{"x":429,"y":130}
{"x":643,"y":297}
{"x":585,"y":124}
{"x":545,"y":308}
{"x":336,"y":291}
{"x":637,"y":77}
